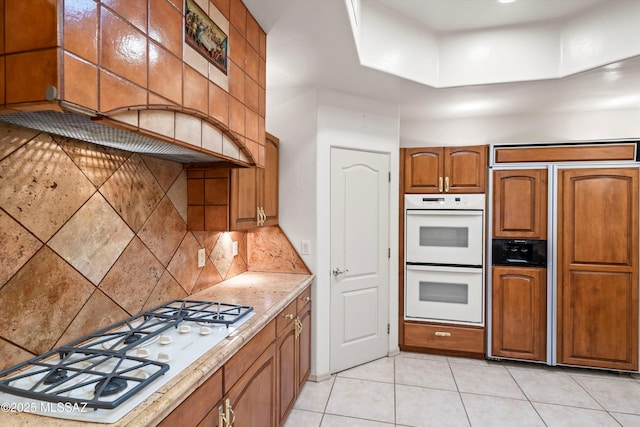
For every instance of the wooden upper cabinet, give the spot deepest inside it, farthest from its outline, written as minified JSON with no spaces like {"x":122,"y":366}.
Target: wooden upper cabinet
{"x":465,"y":169}
{"x":423,"y":170}
{"x":245,"y":185}
{"x":224,"y":199}
{"x":598,"y":267}
{"x":254,"y":192}
{"x":520,"y":204}
{"x":445,"y":169}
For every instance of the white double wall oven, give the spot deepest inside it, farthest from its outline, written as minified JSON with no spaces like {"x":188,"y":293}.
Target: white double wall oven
{"x":444,"y":258}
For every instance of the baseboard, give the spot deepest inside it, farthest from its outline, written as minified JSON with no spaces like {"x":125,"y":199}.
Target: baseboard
{"x":319,"y":378}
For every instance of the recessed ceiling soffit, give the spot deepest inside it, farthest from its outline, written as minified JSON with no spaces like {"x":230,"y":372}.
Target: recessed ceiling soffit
{"x":399,"y":45}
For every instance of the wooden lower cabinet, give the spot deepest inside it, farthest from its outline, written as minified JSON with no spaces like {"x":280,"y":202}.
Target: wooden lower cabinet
{"x":293,"y":347}
{"x":253,"y":397}
{"x":197,"y":407}
{"x":261,"y":381}
{"x":444,"y":338}
{"x":519,"y":313}
{"x":304,"y":338}
{"x":598,"y":267}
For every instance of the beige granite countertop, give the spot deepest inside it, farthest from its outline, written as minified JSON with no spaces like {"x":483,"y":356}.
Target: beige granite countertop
{"x":267,"y":293}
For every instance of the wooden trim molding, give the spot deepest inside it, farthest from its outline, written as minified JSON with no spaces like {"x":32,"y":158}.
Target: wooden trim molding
{"x":566,"y":153}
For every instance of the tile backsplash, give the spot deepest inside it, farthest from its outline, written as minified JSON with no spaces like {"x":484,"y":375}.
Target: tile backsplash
{"x":91,"y":235}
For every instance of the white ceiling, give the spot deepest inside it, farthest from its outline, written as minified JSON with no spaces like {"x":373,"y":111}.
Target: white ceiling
{"x":310,"y":44}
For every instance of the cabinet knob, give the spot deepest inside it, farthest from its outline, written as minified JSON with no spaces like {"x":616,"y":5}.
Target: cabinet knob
{"x":306,"y":299}
{"x":288,"y":316}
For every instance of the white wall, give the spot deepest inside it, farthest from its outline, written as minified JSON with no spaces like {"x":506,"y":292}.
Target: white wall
{"x":542,"y":127}
{"x":308,"y":124}
{"x":293,"y":118}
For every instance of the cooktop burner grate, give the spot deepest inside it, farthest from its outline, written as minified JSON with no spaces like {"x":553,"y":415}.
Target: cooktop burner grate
{"x":92,"y":378}
{"x":200,"y":311}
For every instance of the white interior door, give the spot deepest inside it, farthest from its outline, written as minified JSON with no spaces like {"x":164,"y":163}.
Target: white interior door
{"x":359,"y":257}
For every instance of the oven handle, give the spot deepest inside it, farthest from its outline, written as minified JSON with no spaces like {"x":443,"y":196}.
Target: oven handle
{"x":442,"y":213}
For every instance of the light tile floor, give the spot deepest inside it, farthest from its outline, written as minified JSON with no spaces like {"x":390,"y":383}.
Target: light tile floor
{"x":414,"y":389}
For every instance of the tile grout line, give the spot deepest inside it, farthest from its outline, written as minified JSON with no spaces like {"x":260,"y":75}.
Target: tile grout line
{"x":594,"y":398}
{"x":395,"y":394}
{"x":526,"y":396}
{"x":324,"y":410}
{"x":458,"y":391}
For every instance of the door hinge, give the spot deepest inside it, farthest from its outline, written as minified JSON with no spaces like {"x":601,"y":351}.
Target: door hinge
{"x":388,"y":252}
{"x":388,"y":328}
{"x":389,"y":176}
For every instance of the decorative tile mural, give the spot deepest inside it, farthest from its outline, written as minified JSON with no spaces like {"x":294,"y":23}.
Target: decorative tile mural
{"x":91,"y":235}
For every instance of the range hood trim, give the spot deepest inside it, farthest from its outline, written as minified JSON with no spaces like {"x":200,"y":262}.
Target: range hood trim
{"x":162,"y":146}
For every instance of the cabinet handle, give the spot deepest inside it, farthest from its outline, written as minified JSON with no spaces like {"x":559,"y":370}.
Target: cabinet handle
{"x":226,"y":416}
{"x":442,"y":334}
{"x":233,"y":416}
{"x":298,"y":327}
{"x":222,"y":422}
{"x":440,"y":184}
{"x":446,"y":185}
{"x":306,"y":299}
{"x":288,"y":316}
{"x":261,"y":217}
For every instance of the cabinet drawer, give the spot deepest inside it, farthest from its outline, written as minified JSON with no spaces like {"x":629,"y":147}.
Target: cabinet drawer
{"x":285,"y":318}
{"x":457,"y":338}
{"x":249,"y":353}
{"x":303,"y":299}
{"x":198,"y":404}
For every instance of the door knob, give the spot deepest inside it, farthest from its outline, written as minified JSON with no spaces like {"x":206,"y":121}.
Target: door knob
{"x":337,"y":271}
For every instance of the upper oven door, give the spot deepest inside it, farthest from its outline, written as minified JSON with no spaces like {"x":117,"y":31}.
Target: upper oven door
{"x":451,"y":237}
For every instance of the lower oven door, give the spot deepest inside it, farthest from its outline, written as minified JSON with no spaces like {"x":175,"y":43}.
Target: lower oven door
{"x":444,"y":294}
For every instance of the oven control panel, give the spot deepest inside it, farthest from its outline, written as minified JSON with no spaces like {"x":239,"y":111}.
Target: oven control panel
{"x":445,"y":201}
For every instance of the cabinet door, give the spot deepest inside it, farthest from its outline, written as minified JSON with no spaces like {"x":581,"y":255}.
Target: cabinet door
{"x":304,"y":345}
{"x":269,"y":190}
{"x":244,"y":198}
{"x":286,"y":348}
{"x":423,"y":170}
{"x":520,"y":204}
{"x":598,"y":267}
{"x":465,"y":169}
{"x":253,"y":396}
{"x":519,"y":314}
{"x":255,"y":188}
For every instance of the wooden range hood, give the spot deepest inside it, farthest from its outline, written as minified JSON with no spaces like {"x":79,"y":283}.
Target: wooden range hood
{"x":119,"y":73}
